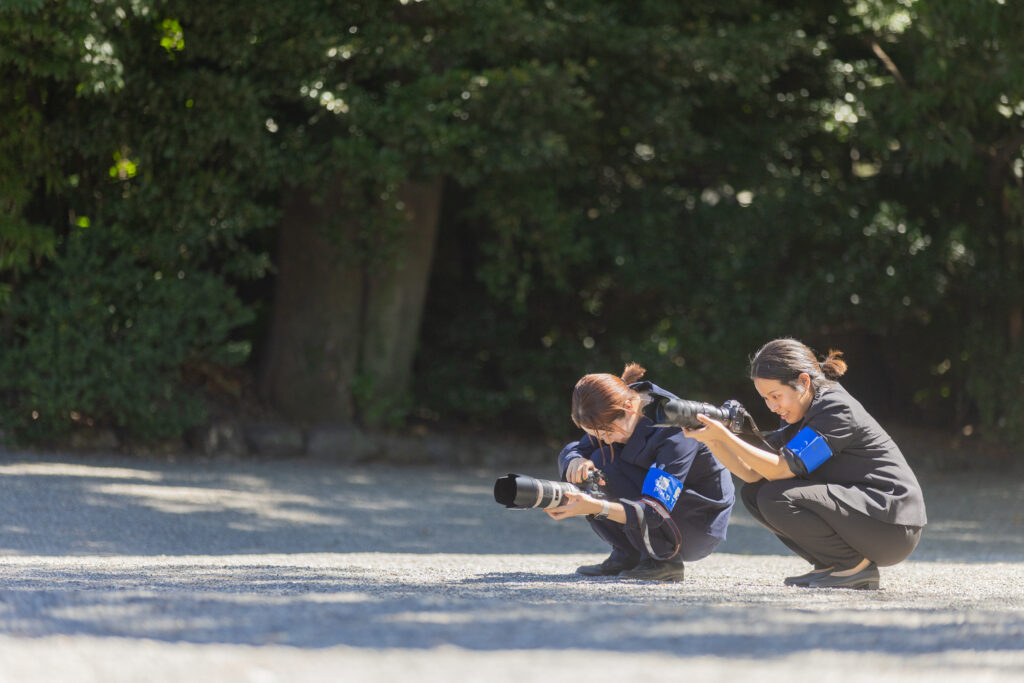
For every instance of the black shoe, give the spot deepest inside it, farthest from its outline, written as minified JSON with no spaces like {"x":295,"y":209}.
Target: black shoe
{"x":610,"y":567}
{"x":804,"y":580}
{"x":651,"y":570}
{"x":865,"y":579}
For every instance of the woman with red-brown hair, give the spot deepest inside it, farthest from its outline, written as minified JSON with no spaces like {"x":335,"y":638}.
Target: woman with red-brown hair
{"x":667,"y":500}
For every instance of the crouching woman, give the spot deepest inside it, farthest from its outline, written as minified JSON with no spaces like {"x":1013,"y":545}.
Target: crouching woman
{"x":668,"y":500}
{"x":839,"y":492}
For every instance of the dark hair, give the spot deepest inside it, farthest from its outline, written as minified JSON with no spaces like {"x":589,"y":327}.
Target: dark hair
{"x":785,"y":359}
{"x":599,"y":399}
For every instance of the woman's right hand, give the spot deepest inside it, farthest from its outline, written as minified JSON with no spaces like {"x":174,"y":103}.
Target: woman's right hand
{"x":712,"y":432}
{"x":578,"y":469}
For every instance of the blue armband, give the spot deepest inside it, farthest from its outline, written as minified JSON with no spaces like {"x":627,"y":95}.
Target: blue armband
{"x":662,"y":487}
{"x":810,"y":448}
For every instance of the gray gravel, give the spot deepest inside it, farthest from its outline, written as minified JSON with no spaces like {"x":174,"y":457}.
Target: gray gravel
{"x":121,"y":569}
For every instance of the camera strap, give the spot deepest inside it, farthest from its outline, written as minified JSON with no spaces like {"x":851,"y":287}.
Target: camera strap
{"x":751,"y":431}
{"x":669,"y":523}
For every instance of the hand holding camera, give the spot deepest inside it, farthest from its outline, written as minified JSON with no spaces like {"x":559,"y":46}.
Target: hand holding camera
{"x":708,"y":431}
{"x":519,"y":491}
{"x":581,"y":469}
{"x":703,"y":421}
{"x":574,"y":503}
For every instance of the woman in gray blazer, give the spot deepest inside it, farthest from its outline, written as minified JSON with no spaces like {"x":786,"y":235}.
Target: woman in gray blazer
{"x":838,"y":492}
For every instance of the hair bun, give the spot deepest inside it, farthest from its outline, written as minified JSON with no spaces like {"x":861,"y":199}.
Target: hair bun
{"x":632,"y":373}
{"x":834,"y":366}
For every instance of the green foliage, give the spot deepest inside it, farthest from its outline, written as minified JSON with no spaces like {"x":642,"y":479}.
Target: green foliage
{"x":671,"y":183}
{"x":847,"y":173}
{"x":124,"y":230}
{"x":943,"y":128}
{"x":94,"y":343}
{"x":377,"y":408}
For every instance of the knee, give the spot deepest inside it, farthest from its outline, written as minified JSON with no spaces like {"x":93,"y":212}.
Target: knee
{"x":697,"y":547}
{"x":899,"y":548}
{"x":613,"y":535}
{"x":749,"y":493}
{"x":766,"y":499}
{"x":772,"y":501}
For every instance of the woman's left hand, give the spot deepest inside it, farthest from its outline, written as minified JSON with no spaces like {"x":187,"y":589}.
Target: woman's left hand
{"x":575,"y":504}
{"x":712,"y":431}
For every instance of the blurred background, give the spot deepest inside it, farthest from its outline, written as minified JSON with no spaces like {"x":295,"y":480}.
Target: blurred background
{"x":419,"y":217}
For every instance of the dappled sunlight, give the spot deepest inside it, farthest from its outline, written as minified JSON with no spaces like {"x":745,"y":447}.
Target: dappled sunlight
{"x":336,"y":598}
{"x":467,"y":490}
{"x":247,"y":481}
{"x":381,"y":504}
{"x":119,"y":507}
{"x":442,"y":617}
{"x":114,"y":508}
{"x":64,"y":469}
{"x":975,"y":533}
{"x":744,"y":520}
{"x":190,"y":499}
{"x":956,"y":526}
{"x":360,"y":479}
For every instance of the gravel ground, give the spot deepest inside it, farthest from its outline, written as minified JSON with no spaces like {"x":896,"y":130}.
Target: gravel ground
{"x":121,"y":569}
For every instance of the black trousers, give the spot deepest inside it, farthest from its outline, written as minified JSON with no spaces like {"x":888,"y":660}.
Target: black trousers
{"x":823,"y":531}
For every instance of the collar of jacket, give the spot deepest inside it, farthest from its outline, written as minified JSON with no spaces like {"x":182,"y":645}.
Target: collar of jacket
{"x":644,"y":427}
{"x":638,"y":439}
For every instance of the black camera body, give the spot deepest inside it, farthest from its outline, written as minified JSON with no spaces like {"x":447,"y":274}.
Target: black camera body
{"x":522,"y":492}
{"x":592,"y":485}
{"x":668,"y":411}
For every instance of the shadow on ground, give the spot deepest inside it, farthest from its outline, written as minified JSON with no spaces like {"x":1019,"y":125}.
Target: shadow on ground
{"x":364,"y":607}
{"x":314,"y":555}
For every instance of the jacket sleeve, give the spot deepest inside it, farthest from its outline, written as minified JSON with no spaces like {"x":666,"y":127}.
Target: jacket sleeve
{"x":777,"y":438}
{"x":583,"y":448}
{"x":834,"y":421}
{"x":836,"y":424}
{"x":674,"y":454}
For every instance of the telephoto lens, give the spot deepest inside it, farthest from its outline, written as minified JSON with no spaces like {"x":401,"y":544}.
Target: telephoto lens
{"x":682,"y":413}
{"x":521,"y":491}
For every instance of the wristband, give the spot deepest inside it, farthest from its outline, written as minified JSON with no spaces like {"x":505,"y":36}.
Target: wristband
{"x":606,"y":508}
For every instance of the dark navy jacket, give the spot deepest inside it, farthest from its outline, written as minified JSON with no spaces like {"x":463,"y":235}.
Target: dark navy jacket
{"x":703,"y":509}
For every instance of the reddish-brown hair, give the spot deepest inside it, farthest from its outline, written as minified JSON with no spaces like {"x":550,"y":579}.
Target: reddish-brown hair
{"x":599,"y":399}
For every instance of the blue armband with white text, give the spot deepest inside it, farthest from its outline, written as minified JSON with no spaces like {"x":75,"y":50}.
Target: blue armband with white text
{"x":662,"y":487}
{"x":810,"y":448}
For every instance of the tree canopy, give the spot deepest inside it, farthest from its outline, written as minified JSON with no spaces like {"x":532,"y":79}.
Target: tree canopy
{"x":669,"y":183}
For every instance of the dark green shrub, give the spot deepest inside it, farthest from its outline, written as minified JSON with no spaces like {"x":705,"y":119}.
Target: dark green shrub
{"x":102,"y":339}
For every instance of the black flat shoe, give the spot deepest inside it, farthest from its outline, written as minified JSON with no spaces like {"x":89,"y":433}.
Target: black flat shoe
{"x":650,"y":570}
{"x":804,"y":580}
{"x":611,"y":566}
{"x":865,"y":579}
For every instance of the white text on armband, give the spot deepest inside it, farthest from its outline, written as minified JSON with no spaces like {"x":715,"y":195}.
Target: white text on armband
{"x":810,"y":448}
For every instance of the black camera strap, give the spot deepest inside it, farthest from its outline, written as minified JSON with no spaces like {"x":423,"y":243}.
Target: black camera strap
{"x":669,"y":523}
{"x":750,"y":432}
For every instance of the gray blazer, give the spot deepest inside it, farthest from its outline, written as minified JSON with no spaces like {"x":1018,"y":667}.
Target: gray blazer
{"x":866,"y":470}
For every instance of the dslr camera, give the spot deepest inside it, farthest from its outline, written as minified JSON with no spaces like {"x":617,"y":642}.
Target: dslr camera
{"x":519,"y":491}
{"x":665,"y":411}
{"x":668,"y":411}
